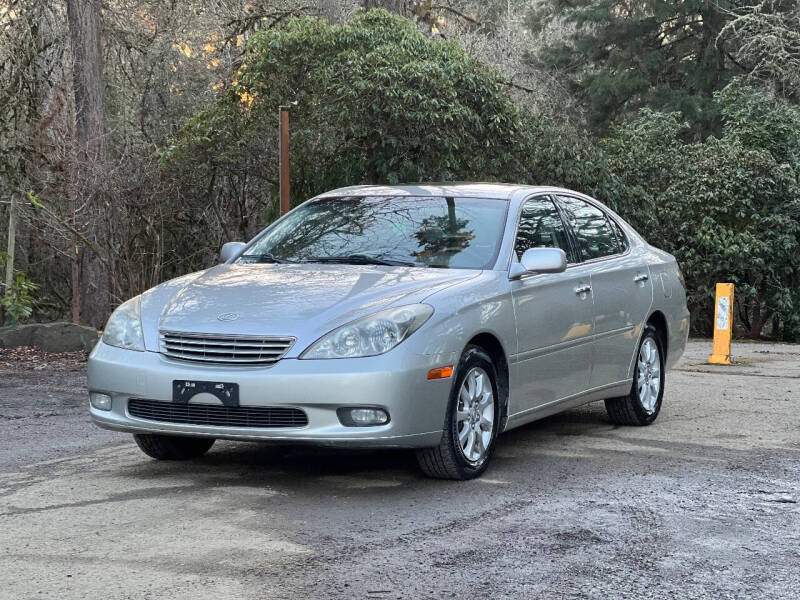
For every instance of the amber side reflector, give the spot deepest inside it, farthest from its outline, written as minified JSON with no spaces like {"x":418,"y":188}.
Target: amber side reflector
{"x":440,"y":372}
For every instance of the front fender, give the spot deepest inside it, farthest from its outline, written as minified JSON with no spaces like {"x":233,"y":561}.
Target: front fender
{"x":481,"y":305}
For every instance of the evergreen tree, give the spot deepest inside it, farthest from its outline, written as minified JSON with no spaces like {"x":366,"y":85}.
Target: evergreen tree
{"x":621,"y":55}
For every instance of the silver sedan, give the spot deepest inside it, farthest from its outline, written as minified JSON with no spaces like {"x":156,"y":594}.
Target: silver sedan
{"x":431,"y":316}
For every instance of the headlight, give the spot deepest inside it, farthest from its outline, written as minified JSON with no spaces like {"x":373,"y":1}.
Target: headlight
{"x":370,"y":335}
{"x":124,"y":328}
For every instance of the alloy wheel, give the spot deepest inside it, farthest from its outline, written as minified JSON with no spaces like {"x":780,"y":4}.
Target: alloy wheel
{"x":648,"y":381}
{"x":475,"y":415}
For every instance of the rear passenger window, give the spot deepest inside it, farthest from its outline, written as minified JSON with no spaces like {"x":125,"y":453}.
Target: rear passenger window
{"x":621,"y":238}
{"x":540,"y":226}
{"x":595,"y":236}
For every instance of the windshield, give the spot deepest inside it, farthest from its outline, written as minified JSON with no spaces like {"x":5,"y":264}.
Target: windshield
{"x":461,"y":233}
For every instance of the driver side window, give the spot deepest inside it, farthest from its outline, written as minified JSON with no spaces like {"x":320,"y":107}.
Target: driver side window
{"x":540,"y":226}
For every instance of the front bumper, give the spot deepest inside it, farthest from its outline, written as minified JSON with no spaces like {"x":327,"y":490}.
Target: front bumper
{"x":395,"y":381}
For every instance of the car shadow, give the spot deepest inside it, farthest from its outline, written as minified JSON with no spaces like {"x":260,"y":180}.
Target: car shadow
{"x":255,"y":463}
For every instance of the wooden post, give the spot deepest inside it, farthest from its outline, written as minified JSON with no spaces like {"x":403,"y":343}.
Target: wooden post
{"x":76,"y":281}
{"x":76,"y":285}
{"x":283,"y":114}
{"x":12,"y":233}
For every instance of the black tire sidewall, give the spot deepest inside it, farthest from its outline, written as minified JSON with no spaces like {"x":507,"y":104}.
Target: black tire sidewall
{"x":169,"y":447}
{"x":473,"y":356}
{"x":645,"y":417}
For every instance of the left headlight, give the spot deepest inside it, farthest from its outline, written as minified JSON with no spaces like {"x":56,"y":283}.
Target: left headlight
{"x":372,"y":335}
{"x":124,"y":327}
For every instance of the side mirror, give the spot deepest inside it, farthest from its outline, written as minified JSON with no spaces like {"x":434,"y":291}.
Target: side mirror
{"x":230,"y":250}
{"x":539,"y":260}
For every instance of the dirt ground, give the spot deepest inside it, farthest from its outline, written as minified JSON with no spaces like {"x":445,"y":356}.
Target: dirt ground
{"x":702,"y":504}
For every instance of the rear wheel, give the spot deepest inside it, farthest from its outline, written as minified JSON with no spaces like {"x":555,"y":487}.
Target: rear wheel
{"x":471,"y":423}
{"x":642,"y":405}
{"x":172,"y":447}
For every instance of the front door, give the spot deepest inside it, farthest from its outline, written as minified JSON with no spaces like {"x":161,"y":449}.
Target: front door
{"x":553,"y":315}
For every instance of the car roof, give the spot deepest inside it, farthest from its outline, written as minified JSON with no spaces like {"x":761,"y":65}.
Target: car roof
{"x":504,"y":191}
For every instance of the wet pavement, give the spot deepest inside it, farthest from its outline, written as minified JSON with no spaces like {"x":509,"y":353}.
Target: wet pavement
{"x":705,"y":503}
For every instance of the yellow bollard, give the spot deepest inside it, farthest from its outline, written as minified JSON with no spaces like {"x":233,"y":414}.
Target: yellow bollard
{"x":723,"y":325}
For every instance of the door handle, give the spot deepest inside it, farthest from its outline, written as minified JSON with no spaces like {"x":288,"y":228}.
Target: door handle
{"x":583,"y":289}
{"x":641,"y":277}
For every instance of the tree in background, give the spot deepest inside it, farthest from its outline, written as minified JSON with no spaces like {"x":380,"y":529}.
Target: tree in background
{"x":32,"y":53}
{"x":161,"y":62}
{"x":84,"y":19}
{"x":765,"y":38}
{"x":377,"y":101}
{"x":626,"y":54}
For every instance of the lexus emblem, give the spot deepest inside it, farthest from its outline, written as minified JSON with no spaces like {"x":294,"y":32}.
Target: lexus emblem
{"x":228,"y":317}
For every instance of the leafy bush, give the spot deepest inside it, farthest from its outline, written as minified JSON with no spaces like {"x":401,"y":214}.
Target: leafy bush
{"x":727,"y":207}
{"x":18,"y":300}
{"x":377,"y":102}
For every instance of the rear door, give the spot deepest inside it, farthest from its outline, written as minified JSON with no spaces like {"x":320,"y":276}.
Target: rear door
{"x":621,"y":288}
{"x":553,"y":313}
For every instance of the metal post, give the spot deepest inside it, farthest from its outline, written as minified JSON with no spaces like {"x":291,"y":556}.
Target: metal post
{"x":283,"y":116}
{"x":12,"y":232}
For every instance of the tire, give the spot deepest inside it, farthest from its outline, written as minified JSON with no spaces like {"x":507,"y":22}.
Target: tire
{"x":633,"y":409}
{"x":448,"y":460}
{"x":172,"y":447}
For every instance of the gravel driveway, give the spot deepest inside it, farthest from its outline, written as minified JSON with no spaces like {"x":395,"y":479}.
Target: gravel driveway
{"x":702,"y":504}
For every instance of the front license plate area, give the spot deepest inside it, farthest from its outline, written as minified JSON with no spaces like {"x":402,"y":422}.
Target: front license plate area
{"x":184,"y":390}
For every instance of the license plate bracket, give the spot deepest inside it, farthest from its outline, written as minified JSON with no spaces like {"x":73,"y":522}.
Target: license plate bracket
{"x":184,"y":390}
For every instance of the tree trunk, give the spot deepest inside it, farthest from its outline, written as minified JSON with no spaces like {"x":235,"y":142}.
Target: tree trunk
{"x":760,"y":319}
{"x":84,"y":18}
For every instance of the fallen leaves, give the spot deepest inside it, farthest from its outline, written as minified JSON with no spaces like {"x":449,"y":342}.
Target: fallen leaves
{"x":22,"y":359}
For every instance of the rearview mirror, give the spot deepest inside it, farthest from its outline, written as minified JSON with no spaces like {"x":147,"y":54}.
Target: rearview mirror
{"x":230,"y":250}
{"x":539,"y":260}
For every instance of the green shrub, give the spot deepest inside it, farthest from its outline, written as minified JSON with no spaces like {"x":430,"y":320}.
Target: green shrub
{"x":17,"y":300}
{"x":727,"y":207}
{"x":377,"y":102}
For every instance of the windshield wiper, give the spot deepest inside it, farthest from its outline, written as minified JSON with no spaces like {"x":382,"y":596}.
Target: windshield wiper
{"x":265,"y":257}
{"x":362,"y":259}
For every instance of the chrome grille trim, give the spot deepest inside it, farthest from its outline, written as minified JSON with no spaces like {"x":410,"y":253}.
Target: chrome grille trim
{"x":224,"y":349}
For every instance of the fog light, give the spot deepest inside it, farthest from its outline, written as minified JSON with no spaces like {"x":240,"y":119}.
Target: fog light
{"x":100,"y":401}
{"x":363,"y":417}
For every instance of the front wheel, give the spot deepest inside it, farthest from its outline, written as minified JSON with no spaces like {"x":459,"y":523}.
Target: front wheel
{"x":172,"y":447}
{"x":471,"y":423}
{"x":642,"y":405}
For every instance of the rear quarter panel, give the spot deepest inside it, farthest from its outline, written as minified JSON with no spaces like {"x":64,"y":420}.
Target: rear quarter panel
{"x":669,"y":298}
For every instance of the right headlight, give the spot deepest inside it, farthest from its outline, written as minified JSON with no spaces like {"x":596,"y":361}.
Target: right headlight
{"x":371,"y":335}
{"x":124,"y":327}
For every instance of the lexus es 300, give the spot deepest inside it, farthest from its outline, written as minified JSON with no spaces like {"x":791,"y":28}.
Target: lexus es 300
{"x":432,"y":317}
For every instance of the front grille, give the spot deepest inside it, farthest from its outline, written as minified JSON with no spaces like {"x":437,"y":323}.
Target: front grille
{"x":213,"y":414}
{"x":226,"y":349}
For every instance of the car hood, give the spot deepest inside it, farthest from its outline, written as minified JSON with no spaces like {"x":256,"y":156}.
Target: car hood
{"x":304,"y":301}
